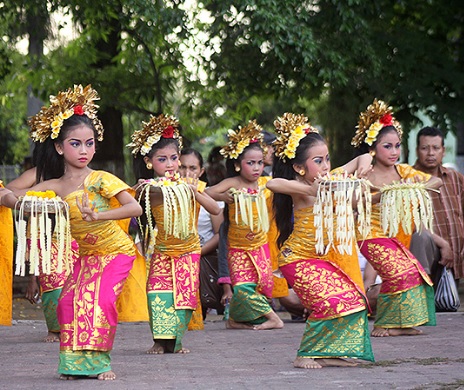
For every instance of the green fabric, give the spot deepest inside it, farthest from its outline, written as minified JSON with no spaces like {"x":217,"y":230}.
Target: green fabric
{"x":165,"y":321}
{"x":84,"y":362}
{"x":49,"y":304}
{"x":247,"y":305}
{"x":410,"y":308}
{"x":342,"y":337}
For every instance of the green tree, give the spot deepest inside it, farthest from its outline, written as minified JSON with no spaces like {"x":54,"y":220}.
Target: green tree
{"x":338,"y":56}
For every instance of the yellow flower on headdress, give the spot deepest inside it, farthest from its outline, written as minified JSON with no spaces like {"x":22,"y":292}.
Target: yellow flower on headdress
{"x":377,"y":116}
{"x":242,"y":137}
{"x":290,"y":129}
{"x":161,"y":126}
{"x":372,"y":133}
{"x":78,"y":100}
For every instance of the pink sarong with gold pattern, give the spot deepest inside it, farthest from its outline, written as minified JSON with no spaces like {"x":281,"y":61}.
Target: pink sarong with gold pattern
{"x":87,"y":307}
{"x":249,"y":258}
{"x":323,"y":286}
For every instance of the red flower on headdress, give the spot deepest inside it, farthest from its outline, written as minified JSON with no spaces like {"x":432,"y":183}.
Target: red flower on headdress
{"x":254,"y":140}
{"x":307,"y":130}
{"x":168,"y":132}
{"x":386,"y":120}
{"x":78,"y":110}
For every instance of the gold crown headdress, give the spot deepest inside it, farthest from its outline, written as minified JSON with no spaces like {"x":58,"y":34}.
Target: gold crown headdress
{"x":161,"y":126}
{"x":377,"y":116}
{"x":76,"y":101}
{"x":242,"y":137}
{"x":290,"y":129}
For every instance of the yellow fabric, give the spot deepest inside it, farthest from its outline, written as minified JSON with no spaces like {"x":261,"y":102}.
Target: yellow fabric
{"x":196,"y":322}
{"x":405,"y":172}
{"x":132,"y":302}
{"x":6,"y":265}
{"x":301,"y":245}
{"x":237,"y":231}
{"x":168,"y":243}
{"x":106,"y":237}
{"x":280,"y":288}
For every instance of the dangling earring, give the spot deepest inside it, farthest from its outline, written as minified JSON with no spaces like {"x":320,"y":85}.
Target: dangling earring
{"x":237,"y":169}
{"x":149,"y":165}
{"x":301,"y":172}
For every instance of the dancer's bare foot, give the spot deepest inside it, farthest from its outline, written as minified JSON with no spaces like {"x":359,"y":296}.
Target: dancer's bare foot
{"x":273,"y":322}
{"x":231,"y":324}
{"x":336,"y":362}
{"x":404,"y":332}
{"x":157,"y":349}
{"x":183,"y":350}
{"x":301,"y":362}
{"x":107,"y":376}
{"x":382,"y":332}
{"x":52,"y":337}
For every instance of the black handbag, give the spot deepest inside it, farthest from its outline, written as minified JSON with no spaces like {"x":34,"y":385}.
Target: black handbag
{"x":210,"y":291}
{"x":446,"y":293}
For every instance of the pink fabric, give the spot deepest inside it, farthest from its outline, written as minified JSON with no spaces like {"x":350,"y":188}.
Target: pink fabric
{"x":396,"y":265}
{"x":323,"y":288}
{"x":177,"y":274}
{"x":88,"y":321}
{"x":252,"y":266}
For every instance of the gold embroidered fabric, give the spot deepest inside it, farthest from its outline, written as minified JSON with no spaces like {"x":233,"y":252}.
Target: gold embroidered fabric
{"x":105,"y":237}
{"x":6,"y":265}
{"x":406,"y":172}
{"x":302,"y":245}
{"x":240,"y":235}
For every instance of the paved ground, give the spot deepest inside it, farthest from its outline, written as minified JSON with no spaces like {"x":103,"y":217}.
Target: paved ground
{"x":237,"y":359}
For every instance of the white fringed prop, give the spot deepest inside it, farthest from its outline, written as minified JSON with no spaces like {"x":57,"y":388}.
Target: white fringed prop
{"x":334,"y":219}
{"x":34,"y":211}
{"x":406,"y":204}
{"x":177,"y":200}
{"x":244,"y":199}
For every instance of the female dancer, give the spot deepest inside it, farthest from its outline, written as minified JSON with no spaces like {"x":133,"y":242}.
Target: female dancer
{"x":174,"y":266}
{"x":208,"y":230}
{"x":248,"y":256}
{"x":86,"y":310}
{"x":50,"y":285}
{"x":337,"y":326}
{"x":406,"y":296}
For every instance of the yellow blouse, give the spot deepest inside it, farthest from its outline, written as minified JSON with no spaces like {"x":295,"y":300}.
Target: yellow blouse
{"x":173,"y":246}
{"x":406,"y":172}
{"x":240,"y":236}
{"x":99,"y":237}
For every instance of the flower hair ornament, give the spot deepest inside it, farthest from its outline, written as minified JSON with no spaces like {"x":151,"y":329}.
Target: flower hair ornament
{"x":161,"y":126}
{"x":290,"y":129}
{"x":242,"y":137}
{"x":377,"y":116}
{"x":74,"y":101}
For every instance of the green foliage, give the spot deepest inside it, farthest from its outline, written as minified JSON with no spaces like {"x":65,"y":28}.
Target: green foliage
{"x":219,"y":63}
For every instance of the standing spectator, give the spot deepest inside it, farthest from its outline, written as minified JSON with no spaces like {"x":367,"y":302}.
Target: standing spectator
{"x":448,"y":204}
{"x":268,"y":139}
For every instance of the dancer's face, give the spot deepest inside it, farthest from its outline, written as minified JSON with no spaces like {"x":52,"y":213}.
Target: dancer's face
{"x":252,"y":165}
{"x":78,"y":148}
{"x":165,"y":160}
{"x":388,"y":149}
{"x":317,"y":163}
